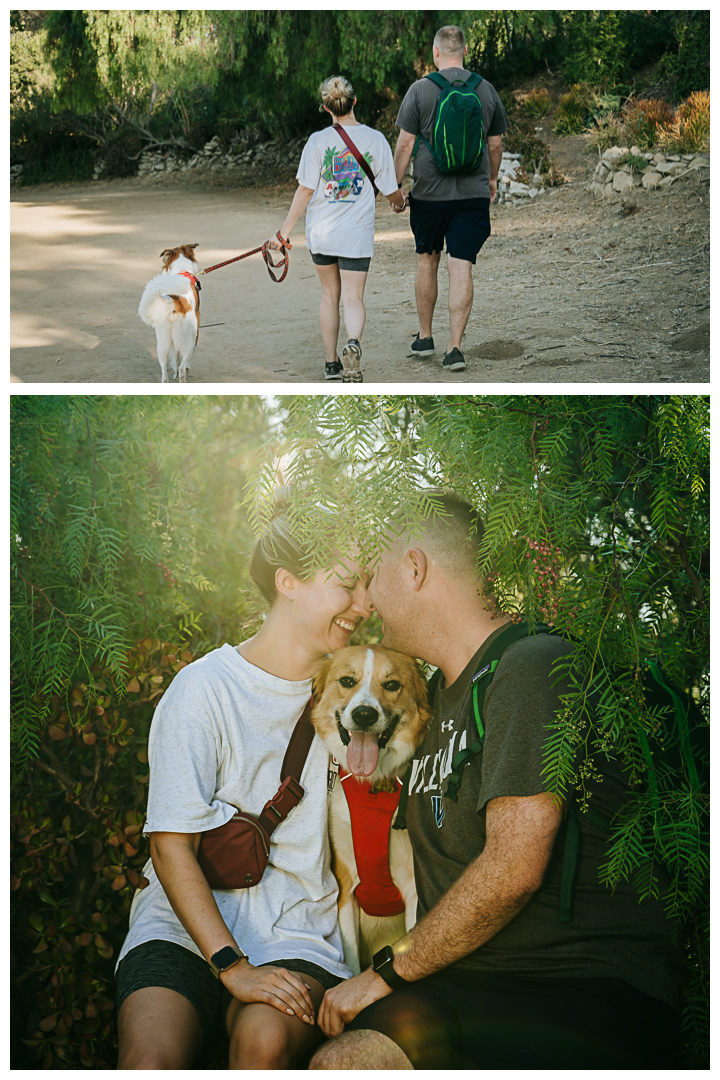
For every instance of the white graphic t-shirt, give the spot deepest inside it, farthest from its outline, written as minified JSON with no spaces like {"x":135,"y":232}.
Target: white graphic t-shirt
{"x":340,"y":219}
{"x":217,"y":742}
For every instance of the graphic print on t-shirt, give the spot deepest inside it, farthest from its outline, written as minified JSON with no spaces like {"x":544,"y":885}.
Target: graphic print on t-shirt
{"x":344,"y":179}
{"x":429,"y":772}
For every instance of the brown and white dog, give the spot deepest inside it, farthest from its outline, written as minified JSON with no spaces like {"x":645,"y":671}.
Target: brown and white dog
{"x":372,"y":713}
{"x":171,"y":304}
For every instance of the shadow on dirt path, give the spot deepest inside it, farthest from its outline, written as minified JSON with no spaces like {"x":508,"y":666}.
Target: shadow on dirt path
{"x":566,"y":289}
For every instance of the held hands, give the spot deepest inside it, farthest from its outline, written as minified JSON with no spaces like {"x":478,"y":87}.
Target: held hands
{"x":272,"y":985}
{"x":343,"y":1002}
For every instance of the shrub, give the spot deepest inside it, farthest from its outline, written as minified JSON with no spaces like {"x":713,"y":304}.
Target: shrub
{"x":537,"y":103}
{"x":606,"y":132}
{"x":637,"y":164}
{"x":689,"y":130}
{"x":571,"y":116}
{"x":642,"y":119}
{"x":77,"y":857}
{"x":535,"y":155}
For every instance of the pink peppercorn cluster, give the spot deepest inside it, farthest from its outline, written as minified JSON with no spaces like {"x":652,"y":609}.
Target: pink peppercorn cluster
{"x":167,"y":575}
{"x":546,"y":562}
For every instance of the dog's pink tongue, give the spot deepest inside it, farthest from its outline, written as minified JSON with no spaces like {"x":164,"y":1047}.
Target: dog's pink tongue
{"x":362,"y":753}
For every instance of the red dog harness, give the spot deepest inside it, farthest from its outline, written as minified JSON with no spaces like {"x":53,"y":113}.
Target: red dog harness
{"x":195,"y":281}
{"x":371,"y":815}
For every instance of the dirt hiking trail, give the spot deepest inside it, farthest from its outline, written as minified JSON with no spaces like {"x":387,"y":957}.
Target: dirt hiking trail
{"x":566,"y":289}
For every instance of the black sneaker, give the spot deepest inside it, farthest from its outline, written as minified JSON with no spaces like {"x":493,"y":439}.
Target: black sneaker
{"x":352,"y":356}
{"x":454,"y":361}
{"x":422,"y":346}
{"x":333,"y":372}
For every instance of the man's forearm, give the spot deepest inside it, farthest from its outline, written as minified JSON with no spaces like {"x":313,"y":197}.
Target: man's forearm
{"x":473,"y":910}
{"x":495,"y":159}
{"x":403,"y":153}
{"x":491,"y":892}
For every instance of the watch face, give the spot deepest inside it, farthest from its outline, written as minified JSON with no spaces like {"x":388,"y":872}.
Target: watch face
{"x":225,"y":957}
{"x":382,"y":957}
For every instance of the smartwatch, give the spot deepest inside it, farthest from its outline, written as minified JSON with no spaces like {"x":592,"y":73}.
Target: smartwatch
{"x":382,"y":965}
{"x":226,"y":958}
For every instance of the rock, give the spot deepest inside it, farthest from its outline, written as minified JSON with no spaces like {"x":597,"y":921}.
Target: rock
{"x":657,"y":158}
{"x":622,"y":182}
{"x":665,"y":167}
{"x":636,"y":151}
{"x":700,"y":161}
{"x":614,"y":154}
{"x":666,"y":181}
{"x":651,"y":180}
{"x":518,"y":189}
{"x":674,"y":157}
{"x":608,"y":190}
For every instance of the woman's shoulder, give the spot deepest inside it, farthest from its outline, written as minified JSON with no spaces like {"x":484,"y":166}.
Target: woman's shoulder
{"x":207,"y":670}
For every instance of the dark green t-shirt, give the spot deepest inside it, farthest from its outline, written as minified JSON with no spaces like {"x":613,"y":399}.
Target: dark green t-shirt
{"x":611,"y":934}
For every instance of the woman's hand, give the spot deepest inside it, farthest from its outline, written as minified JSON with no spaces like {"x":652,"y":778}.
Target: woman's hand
{"x":274,"y":244}
{"x":398,"y":201}
{"x":272,"y":985}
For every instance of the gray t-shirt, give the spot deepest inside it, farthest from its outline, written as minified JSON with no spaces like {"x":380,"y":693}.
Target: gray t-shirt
{"x":417,"y":116}
{"x":611,"y":934}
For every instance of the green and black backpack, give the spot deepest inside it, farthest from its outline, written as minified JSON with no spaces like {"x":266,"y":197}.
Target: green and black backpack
{"x":458,"y":142}
{"x":683,"y":748}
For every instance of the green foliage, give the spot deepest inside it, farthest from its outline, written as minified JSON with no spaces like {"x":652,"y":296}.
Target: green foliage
{"x":636,"y":163}
{"x":573,"y":111}
{"x":606,"y":132}
{"x":77,"y":857}
{"x":125,"y":521}
{"x":686,"y":63}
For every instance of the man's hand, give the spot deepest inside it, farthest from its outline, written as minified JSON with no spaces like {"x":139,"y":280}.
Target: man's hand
{"x":343,"y":1002}
{"x":493,"y":190}
{"x":275,"y":986}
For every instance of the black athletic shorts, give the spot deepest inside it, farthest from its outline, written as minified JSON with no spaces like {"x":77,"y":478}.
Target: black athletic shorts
{"x":516,"y":1022}
{"x":360,"y":265}
{"x":464,"y":223}
{"x":164,"y":963}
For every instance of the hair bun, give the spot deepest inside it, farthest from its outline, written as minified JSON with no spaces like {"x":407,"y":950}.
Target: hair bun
{"x":281,"y":499}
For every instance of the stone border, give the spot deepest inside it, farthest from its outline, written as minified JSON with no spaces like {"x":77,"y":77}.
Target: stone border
{"x":613,"y":176}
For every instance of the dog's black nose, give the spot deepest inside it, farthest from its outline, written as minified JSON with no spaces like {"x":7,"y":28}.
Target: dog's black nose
{"x":364,"y":715}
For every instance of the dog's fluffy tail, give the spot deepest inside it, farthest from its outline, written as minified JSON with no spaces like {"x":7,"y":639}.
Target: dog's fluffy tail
{"x":157,"y":301}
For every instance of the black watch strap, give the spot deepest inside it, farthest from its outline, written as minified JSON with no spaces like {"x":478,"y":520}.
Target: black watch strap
{"x":382,"y":965}
{"x":226,"y":958}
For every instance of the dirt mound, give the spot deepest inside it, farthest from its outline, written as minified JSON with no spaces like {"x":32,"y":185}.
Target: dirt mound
{"x":694,"y":341}
{"x":500,"y":349}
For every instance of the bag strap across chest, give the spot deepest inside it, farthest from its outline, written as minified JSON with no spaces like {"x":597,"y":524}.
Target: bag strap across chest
{"x":357,"y":155}
{"x":290,"y":792}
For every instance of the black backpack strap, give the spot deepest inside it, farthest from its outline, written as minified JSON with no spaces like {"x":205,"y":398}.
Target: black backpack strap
{"x":438,"y":79}
{"x":480,"y":683}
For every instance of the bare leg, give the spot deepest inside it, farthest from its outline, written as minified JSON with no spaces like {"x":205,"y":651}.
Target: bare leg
{"x":360,"y":1050}
{"x":353,"y":288}
{"x":158,"y":1029}
{"x":330,"y":308}
{"x":262,"y":1037}
{"x":460,"y":299}
{"x":426,"y":290}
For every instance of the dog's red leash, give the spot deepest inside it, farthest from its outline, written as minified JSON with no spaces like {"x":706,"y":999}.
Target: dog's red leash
{"x":285,"y":247}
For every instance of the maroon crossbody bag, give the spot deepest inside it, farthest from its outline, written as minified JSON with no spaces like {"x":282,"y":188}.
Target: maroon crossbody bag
{"x":358,"y":156}
{"x":234,"y":856}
